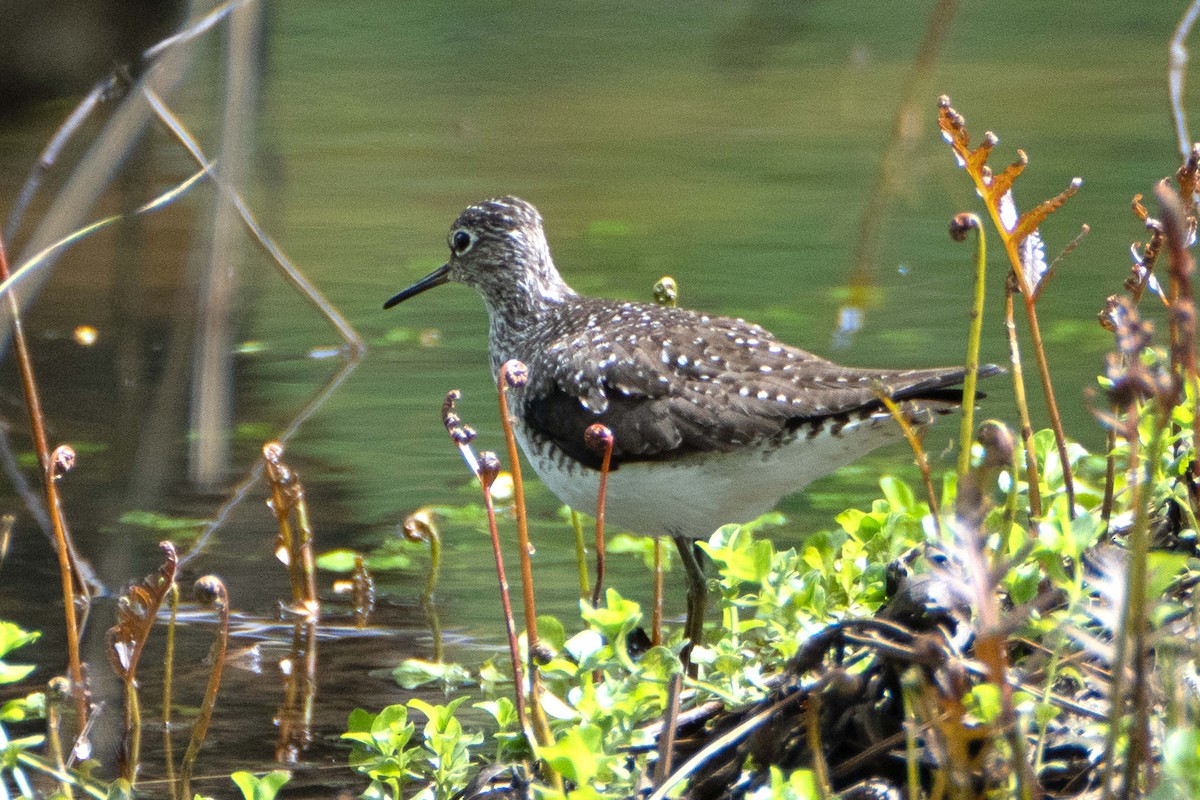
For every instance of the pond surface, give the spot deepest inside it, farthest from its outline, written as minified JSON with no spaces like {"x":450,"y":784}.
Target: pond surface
{"x":738,"y":147}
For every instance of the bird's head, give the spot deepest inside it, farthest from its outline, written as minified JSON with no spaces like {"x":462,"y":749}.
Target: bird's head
{"x":499,"y":248}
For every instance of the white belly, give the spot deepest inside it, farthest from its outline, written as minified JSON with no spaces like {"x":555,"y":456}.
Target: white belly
{"x":695,"y":495}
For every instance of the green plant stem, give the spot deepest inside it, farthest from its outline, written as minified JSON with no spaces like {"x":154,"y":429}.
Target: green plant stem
{"x":1011,"y":499}
{"x":975,"y":331}
{"x":912,"y":755}
{"x":585,"y":589}
{"x":510,"y":627}
{"x":435,"y":564}
{"x":1047,"y":698}
{"x":431,"y":580}
{"x":66,"y":778}
{"x":1032,"y":477}
{"x":812,"y":725}
{"x":732,"y":620}
{"x":54,"y":738}
{"x":1132,"y":636}
{"x":200,"y":729}
{"x":133,"y":730}
{"x":308,"y":561}
{"x":914,"y":442}
{"x":1110,"y":474}
{"x":656,"y":616}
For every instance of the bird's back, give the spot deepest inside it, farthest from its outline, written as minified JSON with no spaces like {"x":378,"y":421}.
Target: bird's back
{"x":672,"y":382}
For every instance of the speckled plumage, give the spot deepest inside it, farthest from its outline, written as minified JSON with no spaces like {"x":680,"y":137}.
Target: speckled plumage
{"x":713,"y":419}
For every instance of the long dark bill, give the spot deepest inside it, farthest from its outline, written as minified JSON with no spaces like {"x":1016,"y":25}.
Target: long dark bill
{"x":436,"y":278}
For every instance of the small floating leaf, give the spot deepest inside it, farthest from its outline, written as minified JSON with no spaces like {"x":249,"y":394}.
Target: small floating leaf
{"x":163,"y":523}
{"x":343,"y":560}
{"x":414,"y":672}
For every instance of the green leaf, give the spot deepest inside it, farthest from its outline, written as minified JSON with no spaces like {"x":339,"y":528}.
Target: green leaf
{"x":13,"y":636}
{"x":120,"y":790}
{"x":801,"y":784}
{"x":502,"y":709}
{"x":11,"y":673}
{"x":615,"y":619}
{"x":375,"y":792}
{"x":640,"y":546}
{"x":23,"y":709}
{"x":359,"y":721}
{"x":1163,"y":571}
{"x":552,"y":632}
{"x":393,"y":723}
{"x":584,"y":645}
{"x":1045,"y":713}
{"x":414,"y":672}
{"x":984,"y":702}
{"x":261,"y":788}
{"x":344,"y":560}
{"x":1181,"y":758}
{"x":739,"y":556}
{"x":899,"y":495}
{"x":771,"y":519}
{"x":254,"y":432}
{"x":162,"y":523}
{"x":575,"y":755}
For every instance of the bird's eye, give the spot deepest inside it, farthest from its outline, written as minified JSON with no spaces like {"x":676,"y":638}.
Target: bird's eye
{"x":461,"y":241}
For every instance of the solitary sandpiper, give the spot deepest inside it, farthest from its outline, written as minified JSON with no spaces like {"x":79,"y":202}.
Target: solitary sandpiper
{"x":713,"y":419}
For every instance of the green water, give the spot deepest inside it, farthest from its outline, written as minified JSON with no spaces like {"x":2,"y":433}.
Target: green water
{"x":735,"y":146}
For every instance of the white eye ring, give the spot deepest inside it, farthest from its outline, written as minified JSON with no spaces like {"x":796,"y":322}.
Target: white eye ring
{"x":461,"y":241}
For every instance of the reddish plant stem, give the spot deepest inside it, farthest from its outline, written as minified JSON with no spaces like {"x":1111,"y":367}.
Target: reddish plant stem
{"x":296,"y":543}
{"x":657,"y":611}
{"x":167,"y":683}
{"x":515,"y":374}
{"x":510,"y":625}
{"x":525,"y":548}
{"x":1060,"y":437}
{"x":601,"y":438}
{"x":66,"y":569}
